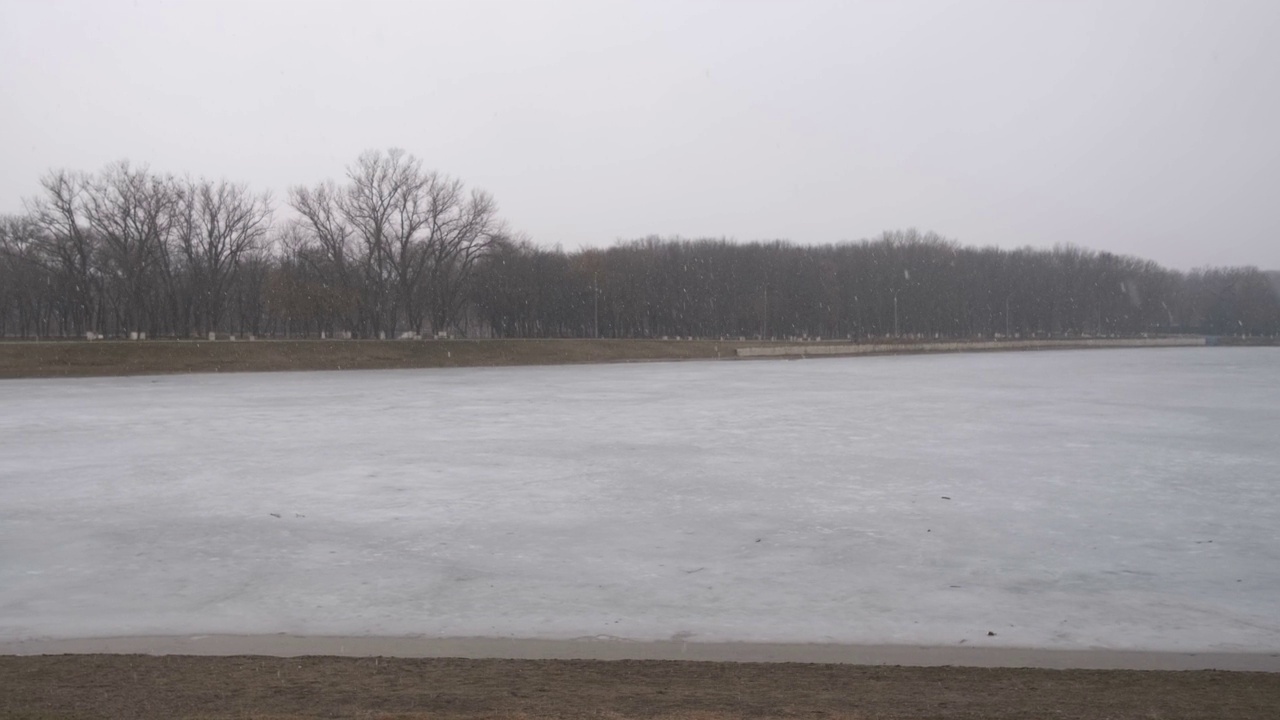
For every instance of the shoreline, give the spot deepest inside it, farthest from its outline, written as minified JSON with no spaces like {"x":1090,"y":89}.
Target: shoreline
{"x":610,"y":649}
{"x":78,"y":358}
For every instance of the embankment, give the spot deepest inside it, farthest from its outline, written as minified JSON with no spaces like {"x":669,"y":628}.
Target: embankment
{"x":839,"y":349}
{"x":102,"y":358}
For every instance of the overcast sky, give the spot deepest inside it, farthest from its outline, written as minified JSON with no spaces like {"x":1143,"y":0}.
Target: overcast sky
{"x":1147,"y":128}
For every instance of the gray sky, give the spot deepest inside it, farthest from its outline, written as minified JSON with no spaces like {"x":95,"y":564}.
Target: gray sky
{"x":1148,"y":128}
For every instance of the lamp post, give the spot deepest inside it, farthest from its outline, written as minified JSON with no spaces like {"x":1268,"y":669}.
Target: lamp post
{"x":896,"y":333}
{"x":595,"y":301}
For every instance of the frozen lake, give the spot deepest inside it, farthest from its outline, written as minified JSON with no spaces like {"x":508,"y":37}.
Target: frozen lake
{"x":1078,"y":499}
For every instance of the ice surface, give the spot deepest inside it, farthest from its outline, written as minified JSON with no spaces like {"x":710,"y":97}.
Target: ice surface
{"x":1117,"y":498}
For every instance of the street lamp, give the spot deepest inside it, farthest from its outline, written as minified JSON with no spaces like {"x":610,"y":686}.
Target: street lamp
{"x":895,"y":315}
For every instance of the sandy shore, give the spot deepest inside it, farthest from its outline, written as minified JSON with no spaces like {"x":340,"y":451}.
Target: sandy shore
{"x":617,"y":649}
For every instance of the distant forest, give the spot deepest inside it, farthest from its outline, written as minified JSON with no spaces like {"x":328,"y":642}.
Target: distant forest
{"x":396,"y":250}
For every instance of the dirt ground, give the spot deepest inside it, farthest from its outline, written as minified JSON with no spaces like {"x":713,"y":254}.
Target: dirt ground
{"x":141,"y":686}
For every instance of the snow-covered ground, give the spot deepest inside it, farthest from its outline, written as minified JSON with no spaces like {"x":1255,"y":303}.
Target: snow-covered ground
{"x":1116,"y":498}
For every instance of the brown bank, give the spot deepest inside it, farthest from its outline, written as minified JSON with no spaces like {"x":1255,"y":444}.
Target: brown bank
{"x":98,"y":358}
{"x":139,"y":686}
{"x":86,"y":359}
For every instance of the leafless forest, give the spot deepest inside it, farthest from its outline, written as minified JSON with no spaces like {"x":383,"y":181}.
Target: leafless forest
{"x":398,"y":250}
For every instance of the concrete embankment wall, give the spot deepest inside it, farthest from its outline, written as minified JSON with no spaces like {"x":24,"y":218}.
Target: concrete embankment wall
{"x":985,"y":345}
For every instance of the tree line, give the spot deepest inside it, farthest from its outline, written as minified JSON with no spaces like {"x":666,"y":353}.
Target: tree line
{"x":399,"y":250}
{"x":902,"y":283}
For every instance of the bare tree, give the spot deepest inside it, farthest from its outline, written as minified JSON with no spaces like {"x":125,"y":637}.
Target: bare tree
{"x":405,"y":238}
{"x":134,"y":213}
{"x":67,"y":246}
{"x":219,"y":224}
{"x":463,"y":227}
{"x":386,"y":203}
{"x":24,"y":282}
{"x":322,"y":241}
